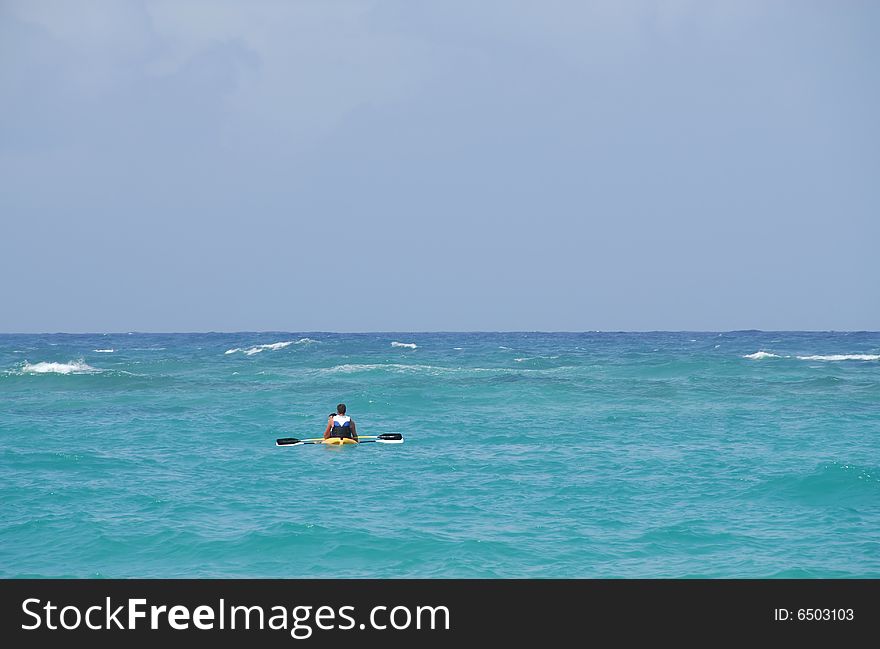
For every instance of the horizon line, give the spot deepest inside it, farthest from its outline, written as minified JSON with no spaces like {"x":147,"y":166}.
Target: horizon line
{"x":430,"y":331}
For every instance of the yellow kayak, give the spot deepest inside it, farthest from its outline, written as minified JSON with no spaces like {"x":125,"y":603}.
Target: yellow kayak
{"x":384,"y":438}
{"x":338,"y":441}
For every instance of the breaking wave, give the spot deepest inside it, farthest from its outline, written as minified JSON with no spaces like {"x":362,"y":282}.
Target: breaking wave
{"x":842,"y":357}
{"x":250,"y":351}
{"x":759,"y":355}
{"x":72,"y":367}
{"x":818,"y":357}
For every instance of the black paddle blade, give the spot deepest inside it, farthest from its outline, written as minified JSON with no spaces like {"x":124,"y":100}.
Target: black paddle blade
{"x":287,"y":441}
{"x":390,"y":436}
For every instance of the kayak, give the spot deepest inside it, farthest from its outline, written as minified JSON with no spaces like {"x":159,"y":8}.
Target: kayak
{"x":384,"y":438}
{"x":338,"y":441}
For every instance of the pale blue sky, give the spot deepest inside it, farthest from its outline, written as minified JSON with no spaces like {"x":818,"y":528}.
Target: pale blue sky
{"x":399,"y":165}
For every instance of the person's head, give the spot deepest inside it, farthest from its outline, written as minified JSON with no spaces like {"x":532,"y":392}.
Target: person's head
{"x":340,"y":409}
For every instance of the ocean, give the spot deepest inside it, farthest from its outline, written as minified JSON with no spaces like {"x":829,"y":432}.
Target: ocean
{"x":527,"y":455}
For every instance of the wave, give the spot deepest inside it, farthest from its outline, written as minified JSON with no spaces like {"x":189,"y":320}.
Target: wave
{"x":532,"y":358}
{"x":395,"y":367}
{"x":818,"y":357}
{"x":105,"y":351}
{"x":400,"y":368}
{"x":410,"y":345}
{"x":842,"y":357}
{"x":271,"y":346}
{"x":433,"y":370}
{"x":259,"y":348}
{"x":832,"y":483}
{"x":759,"y":355}
{"x":73,"y":367}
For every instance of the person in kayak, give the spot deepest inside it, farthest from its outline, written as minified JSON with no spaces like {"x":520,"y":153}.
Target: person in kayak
{"x":340,"y":425}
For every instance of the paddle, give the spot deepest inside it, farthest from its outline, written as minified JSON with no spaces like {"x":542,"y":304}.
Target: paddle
{"x":384,"y":438}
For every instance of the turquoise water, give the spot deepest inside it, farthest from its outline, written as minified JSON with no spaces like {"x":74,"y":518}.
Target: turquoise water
{"x":742,"y":454}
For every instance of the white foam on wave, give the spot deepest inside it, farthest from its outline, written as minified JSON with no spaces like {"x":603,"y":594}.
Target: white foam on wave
{"x":842,"y":357}
{"x":72,"y":367}
{"x":105,"y":351}
{"x":818,"y":357}
{"x":395,"y":367}
{"x":432,"y":370}
{"x":759,"y":355}
{"x":409,"y":345}
{"x":270,"y":346}
{"x":250,"y":351}
{"x":401,"y":368}
{"x":531,"y":358}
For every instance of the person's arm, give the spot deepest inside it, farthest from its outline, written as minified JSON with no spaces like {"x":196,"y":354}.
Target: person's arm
{"x":329,"y":427}
{"x":354,"y":432}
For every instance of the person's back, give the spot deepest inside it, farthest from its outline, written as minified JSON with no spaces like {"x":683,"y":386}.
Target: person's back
{"x":340,"y":425}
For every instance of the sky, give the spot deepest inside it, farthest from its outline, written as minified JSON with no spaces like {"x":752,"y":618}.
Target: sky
{"x":392,"y":165}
